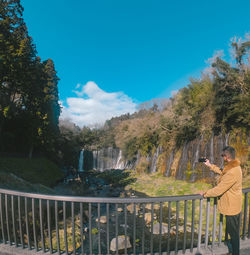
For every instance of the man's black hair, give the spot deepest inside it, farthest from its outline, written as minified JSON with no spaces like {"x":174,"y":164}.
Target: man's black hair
{"x":229,"y":151}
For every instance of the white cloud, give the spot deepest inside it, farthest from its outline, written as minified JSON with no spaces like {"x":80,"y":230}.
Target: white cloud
{"x":93,"y":106}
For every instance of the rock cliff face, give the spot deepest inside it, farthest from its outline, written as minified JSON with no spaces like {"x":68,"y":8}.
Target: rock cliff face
{"x":182,"y":163}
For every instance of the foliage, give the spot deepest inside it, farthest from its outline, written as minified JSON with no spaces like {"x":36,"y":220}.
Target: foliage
{"x":130,"y":149}
{"x":28,"y":89}
{"x":116,"y":178}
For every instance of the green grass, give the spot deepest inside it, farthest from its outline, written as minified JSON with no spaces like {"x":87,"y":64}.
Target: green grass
{"x":35,"y":171}
{"x":156,"y":185}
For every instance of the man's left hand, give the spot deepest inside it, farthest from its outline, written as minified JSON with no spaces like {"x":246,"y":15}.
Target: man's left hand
{"x":201,"y":193}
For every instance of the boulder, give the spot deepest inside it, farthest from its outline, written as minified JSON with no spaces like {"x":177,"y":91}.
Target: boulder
{"x":121,"y":243}
{"x":103,"y":219}
{"x":130,"y":208}
{"x":149,"y":206}
{"x":148,"y":217}
{"x":156,"y":228}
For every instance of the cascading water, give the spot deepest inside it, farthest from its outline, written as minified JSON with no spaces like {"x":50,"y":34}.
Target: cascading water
{"x":169,"y":163}
{"x":212,"y":149}
{"x":80,"y":168}
{"x":153,"y":167}
{"x":107,"y":158}
{"x":220,"y":148}
{"x":120,"y":164}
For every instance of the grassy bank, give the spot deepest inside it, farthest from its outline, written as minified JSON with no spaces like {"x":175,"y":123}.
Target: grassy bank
{"x":156,"y":185}
{"x":34,"y":171}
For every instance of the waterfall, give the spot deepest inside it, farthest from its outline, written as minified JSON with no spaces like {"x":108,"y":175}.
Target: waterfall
{"x":212,"y":149}
{"x":107,"y":158}
{"x":80,"y":168}
{"x":94,"y":153}
{"x":119,"y":162}
{"x":169,"y":163}
{"x":154,"y":160}
{"x":197,"y":153}
{"x":220,"y":148}
{"x":180,"y":173}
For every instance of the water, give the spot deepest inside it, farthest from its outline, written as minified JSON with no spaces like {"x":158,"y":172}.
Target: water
{"x":80,"y":168}
{"x":105,"y":159}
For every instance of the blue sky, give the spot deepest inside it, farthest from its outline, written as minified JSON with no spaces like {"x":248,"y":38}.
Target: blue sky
{"x":111,"y":55}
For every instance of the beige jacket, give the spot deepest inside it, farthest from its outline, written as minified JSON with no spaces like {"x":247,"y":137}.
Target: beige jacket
{"x":228,"y":189}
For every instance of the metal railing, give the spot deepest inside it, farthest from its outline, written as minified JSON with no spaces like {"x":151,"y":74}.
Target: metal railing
{"x":92,"y":225}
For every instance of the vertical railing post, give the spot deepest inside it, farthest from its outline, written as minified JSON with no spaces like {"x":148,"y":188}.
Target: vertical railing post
{"x":57,"y":229}
{"x":192,"y":226}
{"x":7,"y":218}
{"x":81,"y":228}
{"x":49,"y":226}
{"x":73,"y":227}
{"x":1,"y":218}
{"x":34,"y":224}
{"x":90,"y":229}
{"x":177,"y":227}
{"x":65,"y":227}
{"x":185,"y":227}
{"x":13,"y":220}
{"x":200,"y":226}
{"x":214,"y":221}
{"x":116,"y":228}
{"x":245,"y":216}
{"x":126,"y":225}
{"x":134,"y":229}
{"x":160,"y":228}
{"x":27,"y":221}
{"x":143,"y":229}
{"x":107,"y":212}
{"x":41,"y":224}
{"x":20,"y":222}
{"x":99,"y":228}
{"x":207,"y":222}
{"x":152,"y":228}
{"x":169,"y":226}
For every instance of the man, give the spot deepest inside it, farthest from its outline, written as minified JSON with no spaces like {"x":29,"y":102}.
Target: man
{"x":229,"y":191}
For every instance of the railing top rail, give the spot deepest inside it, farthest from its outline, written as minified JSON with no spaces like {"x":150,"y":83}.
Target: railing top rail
{"x":101,"y":199}
{"x":105,"y":199}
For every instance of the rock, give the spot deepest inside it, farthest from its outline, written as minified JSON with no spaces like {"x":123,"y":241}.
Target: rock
{"x":121,"y":243}
{"x":148,"y":218}
{"x":103,"y":219}
{"x":119,"y":209}
{"x":130,"y":208}
{"x":156,"y":228}
{"x":181,"y":229}
{"x":149,"y":206}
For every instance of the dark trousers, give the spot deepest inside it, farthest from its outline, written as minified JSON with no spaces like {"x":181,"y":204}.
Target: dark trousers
{"x":233,"y":229}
